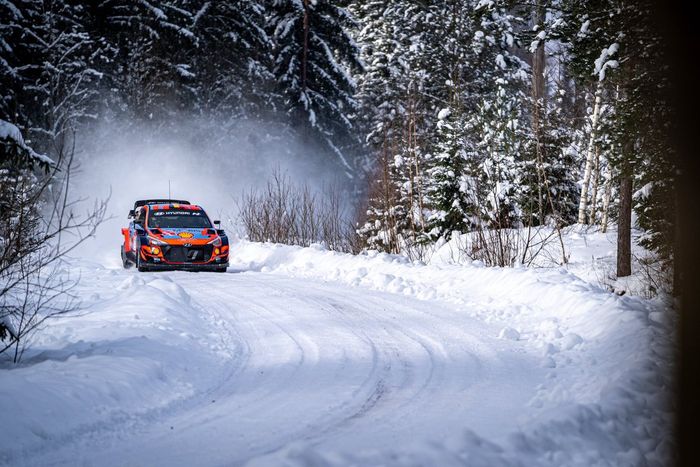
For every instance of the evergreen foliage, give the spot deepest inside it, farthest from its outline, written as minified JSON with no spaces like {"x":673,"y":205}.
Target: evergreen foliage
{"x":624,"y":49}
{"x":457,"y":115}
{"x":313,"y":57}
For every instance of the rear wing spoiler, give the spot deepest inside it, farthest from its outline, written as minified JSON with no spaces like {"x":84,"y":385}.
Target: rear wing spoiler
{"x":144,"y":202}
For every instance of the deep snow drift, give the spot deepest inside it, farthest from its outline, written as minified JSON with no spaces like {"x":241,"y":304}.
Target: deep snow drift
{"x":301,"y":356}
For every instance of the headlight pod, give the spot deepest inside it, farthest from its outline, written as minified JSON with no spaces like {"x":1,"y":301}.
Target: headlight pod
{"x":215,"y":242}
{"x":155,"y":241}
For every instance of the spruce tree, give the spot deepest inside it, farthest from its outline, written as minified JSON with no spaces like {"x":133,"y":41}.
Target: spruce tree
{"x":151,"y":76}
{"x":452,"y":192}
{"x":233,"y":60}
{"x":313,"y":58}
{"x":498,"y":122}
{"x":618,"y":43}
{"x":48,"y":70}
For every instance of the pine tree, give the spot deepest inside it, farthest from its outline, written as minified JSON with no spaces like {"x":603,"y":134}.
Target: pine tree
{"x":549,"y":191}
{"x":233,"y":61}
{"x":49,"y":82}
{"x":384,"y":77}
{"x":417,"y":60}
{"x":313,"y":58}
{"x":561,"y":147}
{"x":384,"y":220}
{"x":151,"y":76}
{"x":453,"y":191}
{"x":622,"y":47}
{"x":498,"y":120}
{"x":385,"y":101}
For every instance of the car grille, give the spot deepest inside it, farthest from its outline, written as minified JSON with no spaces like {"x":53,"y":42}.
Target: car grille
{"x":193,"y":254}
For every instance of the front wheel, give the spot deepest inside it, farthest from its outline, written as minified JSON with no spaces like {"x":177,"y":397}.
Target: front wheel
{"x":125,"y":261}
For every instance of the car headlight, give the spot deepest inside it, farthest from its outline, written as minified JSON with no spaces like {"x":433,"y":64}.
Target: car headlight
{"x":216,"y":241}
{"x":155,"y":241}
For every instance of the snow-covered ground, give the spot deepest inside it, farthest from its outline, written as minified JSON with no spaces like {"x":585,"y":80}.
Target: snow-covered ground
{"x":301,"y":356}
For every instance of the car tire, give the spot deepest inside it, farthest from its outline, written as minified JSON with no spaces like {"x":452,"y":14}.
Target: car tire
{"x":125,"y":261}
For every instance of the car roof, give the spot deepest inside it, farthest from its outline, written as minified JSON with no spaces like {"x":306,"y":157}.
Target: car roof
{"x":168,"y":206}
{"x":145,"y":202}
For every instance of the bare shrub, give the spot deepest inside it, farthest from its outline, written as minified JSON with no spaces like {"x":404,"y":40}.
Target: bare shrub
{"x":530,"y":246}
{"x":283,"y":212}
{"x":39,"y":227}
{"x":656,"y":275}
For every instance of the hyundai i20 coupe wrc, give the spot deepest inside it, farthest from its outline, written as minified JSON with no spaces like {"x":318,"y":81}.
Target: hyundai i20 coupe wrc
{"x":173,"y":234}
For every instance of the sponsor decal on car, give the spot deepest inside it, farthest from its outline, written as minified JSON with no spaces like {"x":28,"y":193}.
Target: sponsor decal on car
{"x":176,"y":213}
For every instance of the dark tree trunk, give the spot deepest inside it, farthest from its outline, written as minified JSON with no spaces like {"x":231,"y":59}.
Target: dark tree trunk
{"x":538,"y":96}
{"x":624,"y":228}
{"x":305,"y":52}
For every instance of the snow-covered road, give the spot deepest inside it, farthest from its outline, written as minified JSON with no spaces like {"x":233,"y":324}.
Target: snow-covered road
{"x":306,"y":357}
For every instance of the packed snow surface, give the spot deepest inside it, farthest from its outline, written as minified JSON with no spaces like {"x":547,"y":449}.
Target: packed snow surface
{"x":301,"y":356}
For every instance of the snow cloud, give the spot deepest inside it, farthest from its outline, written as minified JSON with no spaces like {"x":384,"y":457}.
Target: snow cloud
{"x":204,"y":163}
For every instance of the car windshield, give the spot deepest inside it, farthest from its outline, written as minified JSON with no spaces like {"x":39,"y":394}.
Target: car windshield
{"x":178,"y":220}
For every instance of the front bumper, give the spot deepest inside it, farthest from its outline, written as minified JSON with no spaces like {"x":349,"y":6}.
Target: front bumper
{"x":186,"y":266}
{"x":190,"y":258}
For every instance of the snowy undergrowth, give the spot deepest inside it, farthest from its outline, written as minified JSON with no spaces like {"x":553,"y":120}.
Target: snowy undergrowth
{"x":590,"y":254}
{"x":158,"y":364}
{"x":617,"y":349}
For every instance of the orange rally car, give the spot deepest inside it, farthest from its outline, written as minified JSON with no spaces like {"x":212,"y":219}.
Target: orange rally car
{"x":173,"y":234}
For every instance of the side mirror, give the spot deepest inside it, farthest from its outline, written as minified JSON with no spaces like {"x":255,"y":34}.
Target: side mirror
{"x":131,"y":214}
{"x":217,"y":223}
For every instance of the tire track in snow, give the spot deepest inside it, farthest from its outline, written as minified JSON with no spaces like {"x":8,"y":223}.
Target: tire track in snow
{"x":382,"y":388}
{"x":395,"y":380}
{"x":368,"y":392}
{"x":311,"y":362}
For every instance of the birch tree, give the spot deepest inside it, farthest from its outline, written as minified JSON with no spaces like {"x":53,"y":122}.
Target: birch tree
{"x":590,"y":154}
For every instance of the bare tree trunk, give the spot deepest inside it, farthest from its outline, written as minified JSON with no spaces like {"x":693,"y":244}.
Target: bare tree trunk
{"x":408,"y":141}
{"x":590,"y":153}
{"x":624,"y":228}
{"x":416,"y":185}
{"x":606,"y":203}
{"x":594,"y":193}
{"x":538,"y":95}
{"x":306,"y":45}
{"x":390,"y":200}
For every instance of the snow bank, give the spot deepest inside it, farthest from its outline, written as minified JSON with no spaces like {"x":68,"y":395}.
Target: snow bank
{"x":133,"y":356}
{"x":290,"y":356}
{"x":617,"y":345}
